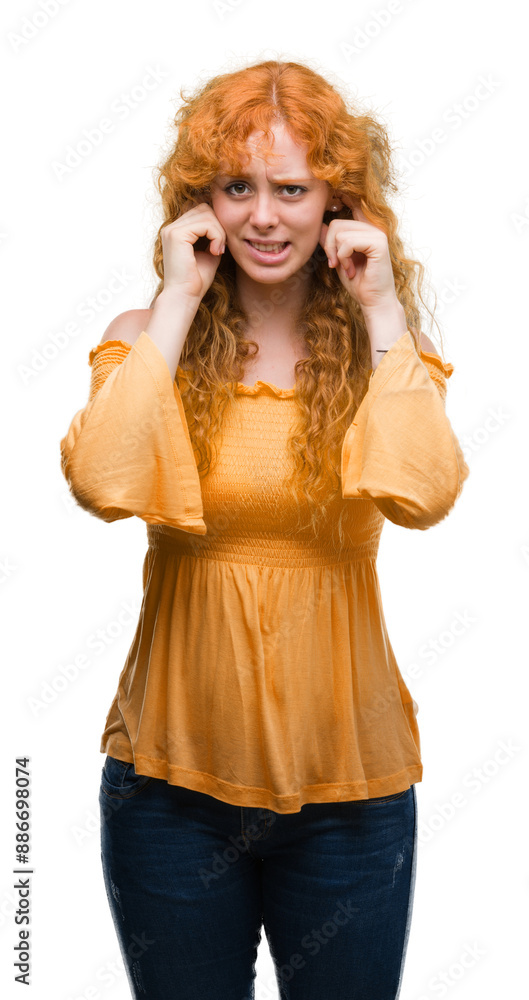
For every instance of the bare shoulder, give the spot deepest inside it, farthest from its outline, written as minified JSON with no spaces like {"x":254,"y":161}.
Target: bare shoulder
{"x":427,"y":345}
{"x":127,"y":326}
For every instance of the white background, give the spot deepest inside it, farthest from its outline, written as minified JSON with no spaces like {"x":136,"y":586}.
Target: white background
{"x":459,"y":589}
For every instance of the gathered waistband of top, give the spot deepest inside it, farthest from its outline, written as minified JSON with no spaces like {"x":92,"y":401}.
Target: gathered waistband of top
{"x":265,"y":549}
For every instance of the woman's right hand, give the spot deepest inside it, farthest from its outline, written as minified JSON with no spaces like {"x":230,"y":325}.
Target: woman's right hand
{"x":189,"y":271}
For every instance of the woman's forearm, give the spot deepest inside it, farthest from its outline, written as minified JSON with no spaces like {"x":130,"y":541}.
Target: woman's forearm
{"x":169,"y":325}
{"x":384,"y":327}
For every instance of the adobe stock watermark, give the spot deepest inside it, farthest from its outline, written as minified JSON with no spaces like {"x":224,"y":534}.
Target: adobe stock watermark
{"x":430,"y":653}
{"x":524,"y":549}
{"x":454,"y":117}
{"x":521,"y":221}
{"x":130,"y":442}
{"x":87,"y":310}
{"x":473,"y":782}
{"x":287,"y":631}
{"x":9,"y":904}
{"x":482,"y":435}
{"x":312,"y":942}
{"x":264,"y":990}
{"x":91,"y":825}
{"x":445,"y":979}
{"x":384,"y":701}
{"x":119,"y":110}
{"x":6,"y":569}
{"x":437,"y":646}
{"x":361,"y":37}
{"x":239,"y":845}
{"x":32,"y":24}
{"x":224,"y":7}
{"x":451,"y":290}
{"x":68,"y":673}
{"x":108,"y":975}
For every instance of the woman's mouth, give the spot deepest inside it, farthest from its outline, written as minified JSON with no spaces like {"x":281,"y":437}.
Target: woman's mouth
{"x":268,"y":251}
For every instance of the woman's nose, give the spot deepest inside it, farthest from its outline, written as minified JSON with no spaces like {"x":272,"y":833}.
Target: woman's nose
{"x":263,"y":211}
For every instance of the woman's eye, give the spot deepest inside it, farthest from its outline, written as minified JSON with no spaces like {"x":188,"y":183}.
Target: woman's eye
{"x":235,"y":184}
{"x":239,"y":184}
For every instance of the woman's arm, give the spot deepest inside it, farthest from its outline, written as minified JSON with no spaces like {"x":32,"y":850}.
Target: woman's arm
{"x":128,"y":451}
{"x":400,"y":450}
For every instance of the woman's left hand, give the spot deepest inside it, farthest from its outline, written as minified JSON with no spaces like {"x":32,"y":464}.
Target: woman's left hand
{"x":360,"y":252}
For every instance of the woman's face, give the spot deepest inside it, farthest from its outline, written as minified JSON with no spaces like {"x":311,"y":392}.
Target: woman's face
{"x":272,"y":203}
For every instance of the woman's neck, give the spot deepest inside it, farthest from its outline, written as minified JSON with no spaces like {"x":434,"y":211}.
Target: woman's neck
{"x":273,"y":311}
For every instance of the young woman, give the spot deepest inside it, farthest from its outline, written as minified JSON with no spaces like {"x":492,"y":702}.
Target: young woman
{"x":274,"y":405}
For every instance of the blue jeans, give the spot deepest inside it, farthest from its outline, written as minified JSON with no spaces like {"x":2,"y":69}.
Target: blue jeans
{"x":190,"y":880}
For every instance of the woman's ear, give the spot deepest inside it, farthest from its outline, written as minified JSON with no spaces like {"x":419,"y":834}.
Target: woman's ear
{"x":335,"y":202}
{"x":343,"y":212}
{"x":334,"y":205}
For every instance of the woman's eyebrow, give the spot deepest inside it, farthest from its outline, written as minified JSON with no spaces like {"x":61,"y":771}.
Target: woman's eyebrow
{"x":274,"y":180}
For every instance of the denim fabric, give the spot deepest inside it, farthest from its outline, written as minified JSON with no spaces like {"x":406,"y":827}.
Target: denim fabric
{"x":192,"y":880}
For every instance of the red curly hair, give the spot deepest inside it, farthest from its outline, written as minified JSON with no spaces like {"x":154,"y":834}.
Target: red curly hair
{"x":349,"y":148}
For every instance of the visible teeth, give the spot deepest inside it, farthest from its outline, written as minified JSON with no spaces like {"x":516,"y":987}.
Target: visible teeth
{"x":267,"y":247}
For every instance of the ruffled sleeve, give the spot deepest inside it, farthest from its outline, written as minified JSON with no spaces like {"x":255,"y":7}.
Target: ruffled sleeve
{"x":400,"y":450}
{"x":128,"y":451}
{"x":103,"y":359}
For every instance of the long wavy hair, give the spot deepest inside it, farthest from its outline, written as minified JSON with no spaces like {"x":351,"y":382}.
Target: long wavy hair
{"x":346,"y":146}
